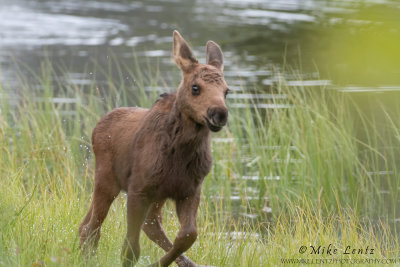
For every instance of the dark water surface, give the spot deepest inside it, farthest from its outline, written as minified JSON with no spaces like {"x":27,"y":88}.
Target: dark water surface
{"x":345,"y":43}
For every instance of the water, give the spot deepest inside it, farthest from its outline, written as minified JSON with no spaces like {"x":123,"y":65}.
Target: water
{"x":351,"y":46}
{"x":315,"y":37}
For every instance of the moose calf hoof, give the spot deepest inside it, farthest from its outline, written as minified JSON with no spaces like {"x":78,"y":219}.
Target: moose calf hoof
{"x":183,"y":261}
{"x":87,"y":251}
{"x":128,"y":264}
{"x":129,"y":261}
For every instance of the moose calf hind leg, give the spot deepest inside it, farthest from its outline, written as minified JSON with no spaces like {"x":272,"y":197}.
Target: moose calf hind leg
{"x":89,"y":230}
{"x":85,"y":220}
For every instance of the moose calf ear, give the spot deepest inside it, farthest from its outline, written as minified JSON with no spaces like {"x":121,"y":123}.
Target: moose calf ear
{"x":214,"y":55}
{"x":183,"y":56}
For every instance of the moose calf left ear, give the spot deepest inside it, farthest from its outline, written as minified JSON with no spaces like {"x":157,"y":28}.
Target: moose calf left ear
{"x":183,"y":56}
{"x":214,"y":55}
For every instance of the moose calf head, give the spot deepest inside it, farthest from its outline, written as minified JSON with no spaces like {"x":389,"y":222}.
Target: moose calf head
{"x":202,"y":92}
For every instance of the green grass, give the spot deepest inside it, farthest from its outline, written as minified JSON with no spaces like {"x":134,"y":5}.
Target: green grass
{"x":328,"y":191}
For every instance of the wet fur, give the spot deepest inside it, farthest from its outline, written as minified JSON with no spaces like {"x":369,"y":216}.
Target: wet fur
{"x":162,"y":144}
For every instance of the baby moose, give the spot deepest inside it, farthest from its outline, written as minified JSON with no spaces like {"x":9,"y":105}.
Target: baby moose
{"x":158,"y":154}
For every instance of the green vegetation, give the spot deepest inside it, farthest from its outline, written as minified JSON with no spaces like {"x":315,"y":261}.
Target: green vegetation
{"x":337,"y":183}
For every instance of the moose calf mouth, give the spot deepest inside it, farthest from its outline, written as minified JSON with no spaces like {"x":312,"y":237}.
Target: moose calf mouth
{"x":212,"y":127}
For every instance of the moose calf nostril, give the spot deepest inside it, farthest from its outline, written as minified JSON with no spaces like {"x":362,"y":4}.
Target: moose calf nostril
{"x":218,"y":115}
{"x":222,"y":117}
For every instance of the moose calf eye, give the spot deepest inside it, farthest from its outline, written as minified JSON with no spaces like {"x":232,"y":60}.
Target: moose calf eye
{"x":195,"y":90}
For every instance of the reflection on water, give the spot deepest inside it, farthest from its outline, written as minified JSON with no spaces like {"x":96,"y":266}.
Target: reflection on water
{"x":45,"y":29}
{"x":351,"y":42}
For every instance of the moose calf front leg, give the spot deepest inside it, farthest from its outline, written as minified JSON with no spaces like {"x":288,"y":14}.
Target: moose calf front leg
{"x":137,"y":208}
{"x":153,"y":229}
{"x":187,"y":211}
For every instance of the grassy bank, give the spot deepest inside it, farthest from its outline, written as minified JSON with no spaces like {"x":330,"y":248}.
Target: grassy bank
{"x":325,"y":168}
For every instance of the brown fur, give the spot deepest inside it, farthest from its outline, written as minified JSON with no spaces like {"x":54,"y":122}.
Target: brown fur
{"x":159,"y":153}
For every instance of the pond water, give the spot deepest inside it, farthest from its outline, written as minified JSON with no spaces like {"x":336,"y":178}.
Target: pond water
{"x":351,"y":46}
{"x":342,"y":43}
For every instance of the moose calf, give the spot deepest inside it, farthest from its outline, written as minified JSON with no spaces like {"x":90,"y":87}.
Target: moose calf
{"x":157,"y":154}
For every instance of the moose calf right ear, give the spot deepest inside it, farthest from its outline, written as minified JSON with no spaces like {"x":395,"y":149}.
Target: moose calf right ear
{"x":183,"y":56}
{"x":214,"y":55}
